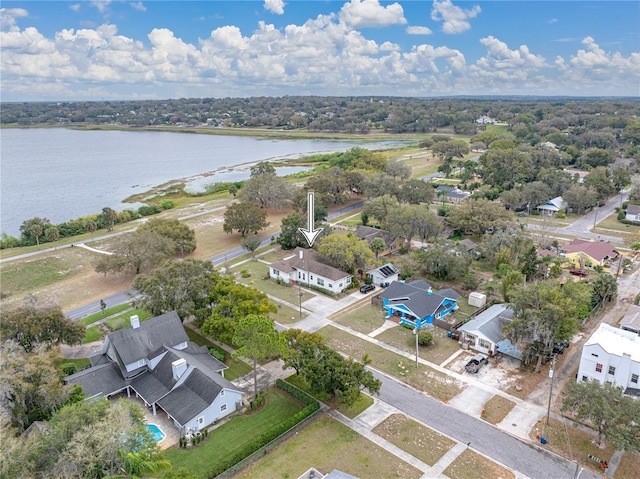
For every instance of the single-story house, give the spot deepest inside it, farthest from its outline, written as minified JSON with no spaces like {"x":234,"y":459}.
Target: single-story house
{"x":577,"y":175}
{"x":156,"y":361}
{"x":392,"y":243}
{"x":305,"y":267}
{"x":552,"y":206}
{"x":612,"y":355}
{"x":485,"y":119}
{"x":581,"y":252}
{"x":633,"y":213}
{"x":383,"y":275}
{"x":631,"y":319}
{"x":453,"y":194}
{"x":416,"y":304}
{"x":485,"y":332}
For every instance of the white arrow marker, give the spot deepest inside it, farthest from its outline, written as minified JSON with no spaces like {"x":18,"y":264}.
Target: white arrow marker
{"x":310,"y":233}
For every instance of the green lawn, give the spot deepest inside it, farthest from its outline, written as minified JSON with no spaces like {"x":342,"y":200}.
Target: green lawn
{"x":326,"y":445}
{"x":236,"y":367}
{"x":364,"y":319}
{"x":124,"y":320}
{"x":258,"y":272}
{"x":91,"y":334}
{"x":232,"y":435}
{"x":361,"y":404}
{"x":92,"y":318}
{"x":440,"y":349}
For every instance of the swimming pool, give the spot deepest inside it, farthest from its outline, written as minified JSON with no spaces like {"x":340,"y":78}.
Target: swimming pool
{"x":156,"y":431}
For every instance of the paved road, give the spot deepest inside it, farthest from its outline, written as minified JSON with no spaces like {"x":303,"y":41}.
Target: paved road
{"x":217,"y":260}
{"x":530,"y":460}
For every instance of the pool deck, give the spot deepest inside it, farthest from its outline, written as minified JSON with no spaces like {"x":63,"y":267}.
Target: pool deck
{"x":161,"y":420}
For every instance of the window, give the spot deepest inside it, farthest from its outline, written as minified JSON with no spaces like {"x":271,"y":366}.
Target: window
{"x":484,"y":344}
{"x":141,"y":362}
{"x":634,"y":378}
{"x":201,"y":420}
{"x":276,"y":272}
{"x":222,"y":393}
{"x":320,"y":282}
{"x":612,"y":370}
{"x":330,"y":285}
{"x":594,"y":355}
{"x":223,"y":408}
{"x":311,"y":277}
{"x":598,"y":367}
{"x":585,"y":378}
{"x":348,"y":280}
{"x":340,"y":285}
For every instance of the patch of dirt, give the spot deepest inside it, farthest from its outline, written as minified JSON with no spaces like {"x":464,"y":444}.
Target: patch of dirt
{"x":502,"y":372}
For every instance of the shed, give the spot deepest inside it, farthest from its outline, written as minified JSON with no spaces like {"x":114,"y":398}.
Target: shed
{"x":477,"y":299}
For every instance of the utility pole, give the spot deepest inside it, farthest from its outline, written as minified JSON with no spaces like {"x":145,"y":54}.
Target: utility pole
{"x":415,"y":333}
{"x":551,"y":371}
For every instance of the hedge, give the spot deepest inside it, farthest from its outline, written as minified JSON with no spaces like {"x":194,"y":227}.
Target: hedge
{"x":312,"y":405}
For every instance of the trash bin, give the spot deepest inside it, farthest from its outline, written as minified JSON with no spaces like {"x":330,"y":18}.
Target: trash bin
{"x":448,"y":334}
{"x":543,"y":439}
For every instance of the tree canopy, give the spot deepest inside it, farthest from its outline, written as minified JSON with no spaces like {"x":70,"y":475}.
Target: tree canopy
{"x":30,"y":325}
{"x":346,"y":252}
{"x":257,"y":338}
{"x":183,"y":236}
{"x":611,"y":414}
{"x":476,"y":216}
{"x":181,"y":286}
{"x":135,"y":252}
{"x":244,"y":218}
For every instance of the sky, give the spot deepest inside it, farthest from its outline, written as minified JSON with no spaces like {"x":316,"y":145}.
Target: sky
{"x":128,"y":50}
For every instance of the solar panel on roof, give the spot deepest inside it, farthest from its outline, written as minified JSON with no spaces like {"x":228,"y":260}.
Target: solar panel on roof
{"x":386,"y":270}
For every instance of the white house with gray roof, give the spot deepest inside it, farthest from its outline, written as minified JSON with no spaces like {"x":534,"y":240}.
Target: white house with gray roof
{"x":305,"y":267}
{"x":485,"y":332}
{"x":155,"y":361}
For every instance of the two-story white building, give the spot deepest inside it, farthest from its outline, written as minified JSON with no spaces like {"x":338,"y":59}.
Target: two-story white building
{"x":612,"y":355}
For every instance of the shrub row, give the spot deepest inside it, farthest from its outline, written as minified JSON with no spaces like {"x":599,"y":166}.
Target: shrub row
{"x":312,"y":405}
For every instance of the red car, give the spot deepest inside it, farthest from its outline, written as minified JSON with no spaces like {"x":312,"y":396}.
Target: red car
{"x":579,"y":272}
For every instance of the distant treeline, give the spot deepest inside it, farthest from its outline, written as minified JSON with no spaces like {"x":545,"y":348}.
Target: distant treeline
{"x":359,"y":115}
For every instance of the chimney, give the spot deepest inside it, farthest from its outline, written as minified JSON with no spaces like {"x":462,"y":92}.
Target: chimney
{"x":135,"y":321}
{"x":178,"y":367}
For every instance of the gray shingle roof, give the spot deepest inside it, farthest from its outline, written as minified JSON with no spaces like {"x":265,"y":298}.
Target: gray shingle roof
{"x":311,"y":263}
{"x":135,"y":344}
{"x":103,"y":379}
{"x":192,"y":397}
{"x":490,"y":323}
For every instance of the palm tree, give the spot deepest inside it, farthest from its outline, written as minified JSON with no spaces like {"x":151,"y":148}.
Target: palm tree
{"x":36,"y":231}
{"x":377,"y":245}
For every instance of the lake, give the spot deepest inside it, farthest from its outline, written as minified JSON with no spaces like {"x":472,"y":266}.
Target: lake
{"x":63,"y":174}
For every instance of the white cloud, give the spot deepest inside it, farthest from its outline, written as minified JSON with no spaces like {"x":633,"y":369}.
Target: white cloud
{"x":75,"y":7}
{"x":274,"y":6}
{"x":419,"y":30}
{"x":454,"y":18}
{"x":369,"y":13}
{"x":138,"y":6}
{"x":101,"y":5}
{"x":9,"y":16}
{"x":322,"y":56}
{"x":551,"y":21}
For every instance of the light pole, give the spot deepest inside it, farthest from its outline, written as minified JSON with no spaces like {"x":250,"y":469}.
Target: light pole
{"x":415,"y":333}
{"x":553,"y":367}
{"x":595,"y":218}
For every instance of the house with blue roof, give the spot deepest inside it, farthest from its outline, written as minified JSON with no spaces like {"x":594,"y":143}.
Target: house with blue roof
{"x":415,"y":304}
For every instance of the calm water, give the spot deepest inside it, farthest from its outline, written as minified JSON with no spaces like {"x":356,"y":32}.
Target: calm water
{"x":64,"y":174}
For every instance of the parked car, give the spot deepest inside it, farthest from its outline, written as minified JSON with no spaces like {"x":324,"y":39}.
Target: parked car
{"x":579,"y":272}
{"x":476,"y":362}
{"x":367,"y":288}
{"x":560,"y":346}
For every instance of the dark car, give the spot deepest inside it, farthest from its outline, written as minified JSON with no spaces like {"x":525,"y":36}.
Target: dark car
{"x":579,"y":272}
{"x":560,"y":346}
{"x":367,"y":288}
